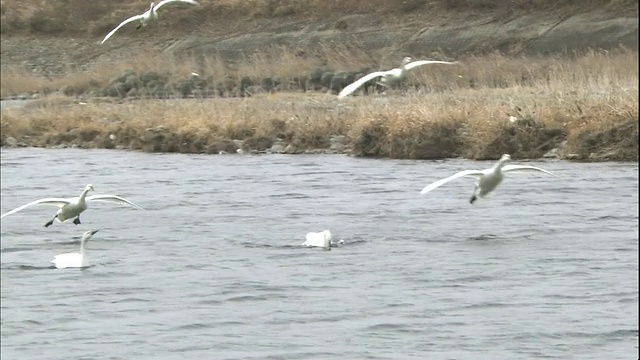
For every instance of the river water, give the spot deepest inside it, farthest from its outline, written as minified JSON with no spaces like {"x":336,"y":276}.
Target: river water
{"x":213,"y":267}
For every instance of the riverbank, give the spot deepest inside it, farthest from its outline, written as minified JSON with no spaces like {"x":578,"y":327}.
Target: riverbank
{"x":583,"y":108}
{"x":555,"y":79}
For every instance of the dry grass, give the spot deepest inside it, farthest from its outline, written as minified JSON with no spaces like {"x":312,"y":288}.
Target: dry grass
{"x":278,"y":62}
{"x":591,"y":101}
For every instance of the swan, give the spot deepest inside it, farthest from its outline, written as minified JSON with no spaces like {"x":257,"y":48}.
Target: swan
{"x":73,"y":207}
{"x":487,"y":180}
{"x":390,"y":77}
{"x":321,"y":239}
{"x":147,"y":17}
{"x":74,"y":259}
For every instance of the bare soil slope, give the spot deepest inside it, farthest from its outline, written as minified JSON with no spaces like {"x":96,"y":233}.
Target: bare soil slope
{"x":55,"y":36}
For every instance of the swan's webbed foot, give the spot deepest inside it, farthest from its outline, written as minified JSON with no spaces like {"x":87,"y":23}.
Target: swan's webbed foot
{"x":77,"y":220}
{"x":50,"y":221}
{"x":139,"y":26}
{"x":473,"y":199}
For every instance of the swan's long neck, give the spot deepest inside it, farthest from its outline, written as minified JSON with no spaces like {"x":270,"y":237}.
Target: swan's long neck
{"x":83,"y":249}
{"x":498,"y":166}
{"x":84,"y":194}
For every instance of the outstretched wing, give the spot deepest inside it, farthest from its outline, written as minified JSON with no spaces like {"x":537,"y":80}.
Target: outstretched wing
{"x":112,"y":199}
{"x":525,"y":168}
{"x":170,"y":1}
{"x":437,"y":184}
{"x":411,"y":65}
{"x":59,"y":202}
{"x":356,"y":84}
{"x":133,"y":18}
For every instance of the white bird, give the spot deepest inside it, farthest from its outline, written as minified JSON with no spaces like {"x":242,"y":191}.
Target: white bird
{"x":321,"y":239}
{"x":390,"y":77}
{"x":74,"y":259}
{"x":72,"y":207}
{"x":147,"y":17}
{"x":487,"y":180}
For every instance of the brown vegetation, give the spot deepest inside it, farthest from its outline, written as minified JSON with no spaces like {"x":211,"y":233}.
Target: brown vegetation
{"x":584,"y":104}
{"x":587,"y":103}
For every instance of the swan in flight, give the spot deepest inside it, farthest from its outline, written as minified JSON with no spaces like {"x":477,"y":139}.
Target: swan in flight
{"x":73,"y":207}
{"x":487,"y":180}
{"x":147,"y":17}
{"x":390,"y":77}
{"x":74,"y":259}
{"x":321,"y":239}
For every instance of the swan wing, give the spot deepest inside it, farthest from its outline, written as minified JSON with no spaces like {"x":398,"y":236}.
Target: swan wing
{"x":133,"y":18}
{"x":66,"y":256}
{"x":437,"y":184}
{"x":170,"y":1}
{"x":356,"y":84}
{"x":525,"y":168}
{"x":112,"y":199}
{"x":314,"y":239}
{"x":411,"y":65}
{"x":66,"y":260}
{"x":59,"y":202}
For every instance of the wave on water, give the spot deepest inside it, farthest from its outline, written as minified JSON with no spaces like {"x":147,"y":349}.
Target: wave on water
{"x":484,"y":237}
{"x":28,"y":267}
{"x":14,"y":249}
{"x":337,"y":244}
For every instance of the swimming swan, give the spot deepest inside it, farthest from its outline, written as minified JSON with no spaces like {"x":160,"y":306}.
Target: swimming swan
{"x":74,"y":259}
{"x":487,"y":180}
{"x":390,"y":77}
{"x":73,"y":207}
{"x":321,"y":239}
{"x":147,"y":17}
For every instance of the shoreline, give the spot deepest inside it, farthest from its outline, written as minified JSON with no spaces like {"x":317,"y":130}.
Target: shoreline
{"x":581,"y":108}
{"x":541,"y":143}
{"x":552,"y":155}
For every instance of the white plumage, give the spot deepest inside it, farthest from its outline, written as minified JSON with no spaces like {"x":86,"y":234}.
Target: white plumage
{"x":487,"y":180}
{"x":74,"y":259}
{"x":389,"y":77}
{"x":147,"y":17}
{"x":72,"y":207}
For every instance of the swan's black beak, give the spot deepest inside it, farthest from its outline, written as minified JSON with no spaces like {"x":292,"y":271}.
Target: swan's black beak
{"x":93,"y":232}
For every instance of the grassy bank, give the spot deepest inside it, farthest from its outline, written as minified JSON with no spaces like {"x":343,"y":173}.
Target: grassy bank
{"x":584,"y":106}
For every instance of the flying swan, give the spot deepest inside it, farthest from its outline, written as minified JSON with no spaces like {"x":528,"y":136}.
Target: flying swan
{"x":73,"y":207}
{"x":487,"y":180}
{"x":390,"y":77}
{"x":321,"y":239}
{"x":147,"y":17}
{"x":74,"y":259}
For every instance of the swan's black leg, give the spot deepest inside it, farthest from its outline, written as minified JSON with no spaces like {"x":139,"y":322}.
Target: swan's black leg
{"x":139,"y":26}
{"x":77,"y":220}
{"x":50,"y":222}
{"x":473,"y":198}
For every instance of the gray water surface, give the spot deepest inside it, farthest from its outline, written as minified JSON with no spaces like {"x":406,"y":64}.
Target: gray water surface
{"x":213,"y":267}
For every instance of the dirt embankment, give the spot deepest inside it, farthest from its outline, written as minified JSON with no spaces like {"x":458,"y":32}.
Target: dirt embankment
{"x":57,"y":37}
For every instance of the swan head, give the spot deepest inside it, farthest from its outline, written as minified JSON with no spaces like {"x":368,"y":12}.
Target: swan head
{"x":406,"y":60}
{"x":87,"y":235}
{"x":505,"y":158}
{"x":89,"y":187}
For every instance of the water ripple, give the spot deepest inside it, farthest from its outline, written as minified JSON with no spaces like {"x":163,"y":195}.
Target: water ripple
{"x":214,"y":266}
